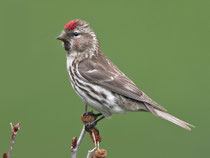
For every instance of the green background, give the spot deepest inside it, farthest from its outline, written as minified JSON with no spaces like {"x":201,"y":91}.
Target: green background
{"x":162,"y":45}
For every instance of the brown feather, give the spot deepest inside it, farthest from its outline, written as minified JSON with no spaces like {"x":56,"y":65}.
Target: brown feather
{"x":101,"y":71}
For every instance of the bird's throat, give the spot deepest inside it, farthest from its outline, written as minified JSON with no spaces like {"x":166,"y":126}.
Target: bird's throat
{"x":67,"y":45}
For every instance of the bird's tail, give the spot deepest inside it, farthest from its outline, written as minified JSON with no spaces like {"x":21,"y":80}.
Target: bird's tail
{"x":170,"y":118}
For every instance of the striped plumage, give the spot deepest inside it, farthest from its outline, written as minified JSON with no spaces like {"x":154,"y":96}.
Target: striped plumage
{"x":97,"y":97}
{"x":100,"y":83}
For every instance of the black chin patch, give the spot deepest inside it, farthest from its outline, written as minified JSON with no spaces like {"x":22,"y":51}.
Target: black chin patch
{"x":67,"y":45}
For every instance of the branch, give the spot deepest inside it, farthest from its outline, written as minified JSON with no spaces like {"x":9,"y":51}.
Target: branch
{"x":14,"y":133}
{"x":96,"y":138}
{"x":88,"y":117}
{"x":90,"y":152}
{"x":95,"y":143}
{"x":75,"y":144}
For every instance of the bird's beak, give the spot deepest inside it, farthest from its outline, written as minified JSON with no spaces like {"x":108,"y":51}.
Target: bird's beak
{"x":62,"y":37}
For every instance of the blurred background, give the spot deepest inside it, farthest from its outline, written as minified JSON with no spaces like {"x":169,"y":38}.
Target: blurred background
{"x":163,"y":46}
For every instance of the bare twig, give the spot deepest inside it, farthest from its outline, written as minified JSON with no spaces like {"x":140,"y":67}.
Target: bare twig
{"x":14,"y":133}
{"x":94,"y":135}
{"x":90,"y":152}
{"x":74,"y":147}
{"x":76,"y":143}
{"x":94,"y":149}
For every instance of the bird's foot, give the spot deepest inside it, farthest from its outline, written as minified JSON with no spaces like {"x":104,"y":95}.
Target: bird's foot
{"x":90,"y":126}
{"x":91,"y":114}
{"x":90,"y":120}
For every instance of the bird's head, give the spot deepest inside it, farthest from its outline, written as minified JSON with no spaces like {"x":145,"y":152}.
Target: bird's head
{"x":78,"y":36}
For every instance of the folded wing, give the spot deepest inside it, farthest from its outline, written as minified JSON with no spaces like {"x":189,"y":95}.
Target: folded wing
{"x":101,"y":71}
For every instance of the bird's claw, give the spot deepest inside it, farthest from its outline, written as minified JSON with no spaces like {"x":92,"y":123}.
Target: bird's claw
{"x":90,"y":120}
{"x":90,"y":125}
{"x":91,"y":114}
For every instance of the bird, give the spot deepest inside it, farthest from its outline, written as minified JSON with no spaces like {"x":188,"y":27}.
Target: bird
{"x":101,"y":84}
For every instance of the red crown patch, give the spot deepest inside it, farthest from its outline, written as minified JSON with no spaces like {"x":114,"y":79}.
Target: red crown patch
{"x":71,"y":25}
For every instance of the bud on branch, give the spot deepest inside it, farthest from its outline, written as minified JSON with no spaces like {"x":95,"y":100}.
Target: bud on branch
{"x":15,"y":129}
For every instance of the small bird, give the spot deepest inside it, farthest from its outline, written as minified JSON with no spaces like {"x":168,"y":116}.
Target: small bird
{"x":98,"y":82}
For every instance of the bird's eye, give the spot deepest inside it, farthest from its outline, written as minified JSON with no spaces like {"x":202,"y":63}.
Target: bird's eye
{"x":76,"y":33}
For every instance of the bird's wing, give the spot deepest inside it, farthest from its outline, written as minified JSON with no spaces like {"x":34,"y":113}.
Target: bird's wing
{"x":101,"y":71}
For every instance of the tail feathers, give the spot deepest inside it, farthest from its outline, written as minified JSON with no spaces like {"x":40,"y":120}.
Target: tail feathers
{"x":173,"y":119}
{"x":169,"y":117}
